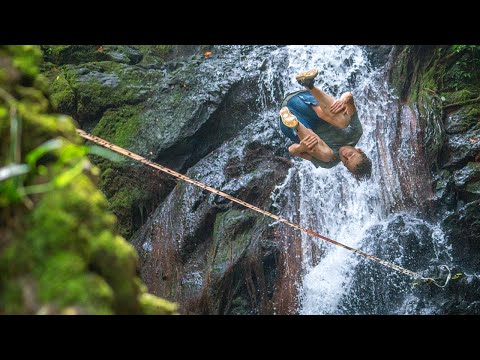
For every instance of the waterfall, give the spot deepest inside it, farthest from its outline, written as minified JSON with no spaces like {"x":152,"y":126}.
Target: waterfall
{"x":359,"y":214}
{"x":388,"y":216}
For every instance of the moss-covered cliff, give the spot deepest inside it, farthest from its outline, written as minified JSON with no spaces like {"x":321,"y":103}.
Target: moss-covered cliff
{"x":129,"y":95}
{"x":59,"y":251}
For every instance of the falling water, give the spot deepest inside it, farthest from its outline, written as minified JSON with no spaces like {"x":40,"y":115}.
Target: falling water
{"x":335,"y":205}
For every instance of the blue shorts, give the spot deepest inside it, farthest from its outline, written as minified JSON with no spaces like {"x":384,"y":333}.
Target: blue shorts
{"x":300,"y":105}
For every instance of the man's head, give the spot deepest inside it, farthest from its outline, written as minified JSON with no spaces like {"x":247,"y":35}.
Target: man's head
{"x":356,"y":162}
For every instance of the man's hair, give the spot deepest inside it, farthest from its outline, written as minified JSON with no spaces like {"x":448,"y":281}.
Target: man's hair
{"x":363,"y":171}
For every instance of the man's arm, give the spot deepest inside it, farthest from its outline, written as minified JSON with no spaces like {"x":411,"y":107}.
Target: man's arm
{"x":299,"y":151}
{"x":312,"y":147}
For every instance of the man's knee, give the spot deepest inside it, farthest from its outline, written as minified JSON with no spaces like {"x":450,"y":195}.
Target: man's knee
{"x":342,"y":120}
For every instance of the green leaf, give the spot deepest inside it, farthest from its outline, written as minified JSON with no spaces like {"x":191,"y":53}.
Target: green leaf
{"x":71,"y":152}
{"x":456,"y":276}
{"x":41,"y":150}
{"x":8,"y":193}
{"x":15,"y":138}
{"x":105,"y":153}
{"x":13,"y":170}
{"x":3,"y":112}
{"x":68,"y":176}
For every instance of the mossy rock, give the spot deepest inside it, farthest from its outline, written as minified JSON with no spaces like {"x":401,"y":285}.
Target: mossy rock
{"x":86,"y":90}
{"x":63,"y":97}
{"x":152,"y":305}
{"x":154,"y":56}
{"x":463,"y":119}
{"x":458,"y":97}
{"x":120,"y":126}
{"x":232,"y":234}
{"x":76,"y":54}
{"x":59,"y":251}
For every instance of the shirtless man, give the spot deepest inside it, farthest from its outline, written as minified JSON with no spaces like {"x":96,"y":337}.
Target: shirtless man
{"x":324,"y":129}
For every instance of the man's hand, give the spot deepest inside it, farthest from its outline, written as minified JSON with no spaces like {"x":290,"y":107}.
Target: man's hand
{"x":338,"y":105}
{"x":309,"y":142}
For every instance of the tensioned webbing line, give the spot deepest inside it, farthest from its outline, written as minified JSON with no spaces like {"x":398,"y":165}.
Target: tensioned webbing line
{"x":141,"y":159}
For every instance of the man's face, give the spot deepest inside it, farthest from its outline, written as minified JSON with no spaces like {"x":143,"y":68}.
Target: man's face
{"x":350,"y":157}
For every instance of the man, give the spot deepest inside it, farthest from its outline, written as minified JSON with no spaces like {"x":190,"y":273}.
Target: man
{"x":324,"y":130}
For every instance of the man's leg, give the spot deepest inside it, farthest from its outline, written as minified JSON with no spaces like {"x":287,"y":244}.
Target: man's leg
{"x":324,"y":100}
{"x":320,"y":151}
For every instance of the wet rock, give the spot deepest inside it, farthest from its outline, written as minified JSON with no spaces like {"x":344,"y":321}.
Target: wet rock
{"x":405,"y":241}
{"x":158,"y":101}
{"x":378,"y":54}
{"x":445,"y":194}
{"x":77,"y":54}
{"x":467,"y":182}
{"x":462,"y":228}
{"x":467,"y":174}
{"x":222,"y":243}
{"x":461,"y":148}
{"x":463,"y":119}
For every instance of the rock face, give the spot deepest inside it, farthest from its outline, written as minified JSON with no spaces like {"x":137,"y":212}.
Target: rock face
{"x":441,"y":84}
{"x":173,"y":112}
{"x":184,"y":110}
{"x":378,"y":55}
{"x":408,"y":242}
{"x":210,"y":255}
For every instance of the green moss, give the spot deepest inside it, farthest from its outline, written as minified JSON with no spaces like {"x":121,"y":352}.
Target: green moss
{"x":458,"y":96}
{"x":64,"y":281}
{"x":56,"y":218}
{"x":116,"y":260}
{"x":26,"y":58}
{"x":120,"y":125}
{"x":160,"y":52}
{"x":12,"y":298}
{"x":125,"y":198}
{"x":151,"y":305}
{"x":63,"y":96}
{"x":59,"y":251}
{"x":65,"y":54}
{"x":127,"y":192}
